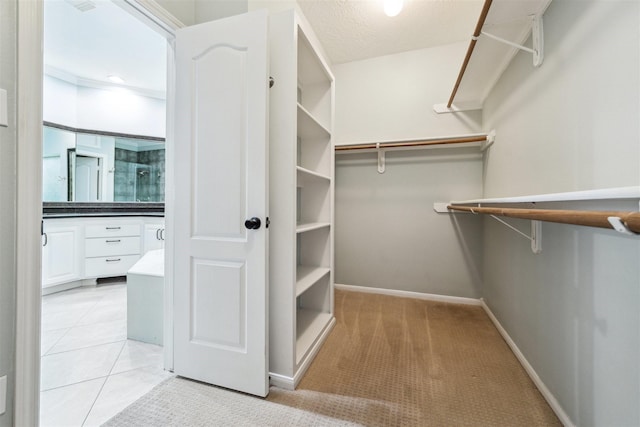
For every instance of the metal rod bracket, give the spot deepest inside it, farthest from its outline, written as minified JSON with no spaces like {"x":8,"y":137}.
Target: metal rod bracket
{"x":620,"y":226}
{"x":536,"y":233}
{"x":491,"y":138}
{"x":381,"y":158}
{"x":536,"y":37}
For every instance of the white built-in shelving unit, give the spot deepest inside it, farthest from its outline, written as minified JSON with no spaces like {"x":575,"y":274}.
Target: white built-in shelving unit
{"x":301,"y":199}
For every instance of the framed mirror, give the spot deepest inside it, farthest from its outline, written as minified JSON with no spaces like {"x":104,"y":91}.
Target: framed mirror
{"x":87,"y":166}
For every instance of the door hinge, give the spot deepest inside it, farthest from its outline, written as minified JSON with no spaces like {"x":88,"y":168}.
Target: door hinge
{"x":271,"y":82}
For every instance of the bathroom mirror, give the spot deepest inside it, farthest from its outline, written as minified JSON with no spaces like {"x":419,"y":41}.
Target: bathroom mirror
{"x":80,"y":166}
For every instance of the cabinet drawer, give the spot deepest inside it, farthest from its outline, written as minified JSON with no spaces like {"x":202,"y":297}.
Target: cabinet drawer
{"x":109,"y":266}
{"x":106,"y":230}
{"x":108,"y":246}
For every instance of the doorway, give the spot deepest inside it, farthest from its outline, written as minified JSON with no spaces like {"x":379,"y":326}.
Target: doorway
{"x":88,"y":178}
{"x":82,"y":328}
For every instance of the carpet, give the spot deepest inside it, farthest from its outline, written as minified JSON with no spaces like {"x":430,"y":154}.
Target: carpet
{"x":389,"y":361}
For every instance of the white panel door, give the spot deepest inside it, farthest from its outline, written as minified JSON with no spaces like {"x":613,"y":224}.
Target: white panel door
{"x":220,"y":271}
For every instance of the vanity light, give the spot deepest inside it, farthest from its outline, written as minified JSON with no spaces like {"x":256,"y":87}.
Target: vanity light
{"x":116,"y":79}
{"x":392,"y":7}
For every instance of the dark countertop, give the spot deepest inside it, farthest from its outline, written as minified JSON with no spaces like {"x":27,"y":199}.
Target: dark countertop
{"x":108,"y":209}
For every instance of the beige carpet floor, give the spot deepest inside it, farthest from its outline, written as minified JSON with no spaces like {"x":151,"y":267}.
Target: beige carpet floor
{"x":388,"y":362}
{"x":398,"y":361}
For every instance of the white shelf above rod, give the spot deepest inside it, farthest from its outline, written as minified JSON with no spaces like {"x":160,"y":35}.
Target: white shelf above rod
{"x":485,"y":140}
{"x":627,"y":223}
{"x":614,"y":193}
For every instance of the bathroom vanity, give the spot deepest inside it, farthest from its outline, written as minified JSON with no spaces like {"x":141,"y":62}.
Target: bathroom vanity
{"x":84,"y":242}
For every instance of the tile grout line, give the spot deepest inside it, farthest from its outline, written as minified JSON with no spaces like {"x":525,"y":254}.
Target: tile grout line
{"x":103,"y":384}
{"x":84,"y":348}
{"x":98,"y":298}
{"x":46,"y":353}
{"x":72,"y":384}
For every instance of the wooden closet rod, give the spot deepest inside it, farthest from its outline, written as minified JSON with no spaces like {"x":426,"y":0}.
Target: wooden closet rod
{"x":472,"y":45}
{"x":588,"y":218}
{"x":444,"y":141}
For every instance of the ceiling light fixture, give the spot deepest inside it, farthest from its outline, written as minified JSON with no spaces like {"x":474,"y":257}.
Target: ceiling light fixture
{"x":392,"y":7}
{"x":116,"y":79}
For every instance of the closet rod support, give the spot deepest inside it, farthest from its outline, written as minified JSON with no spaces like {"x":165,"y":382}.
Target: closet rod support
{"x":381,"y":158}
{"x":620,"y":226}
{"x":491,"y":138}
{"x":535,"y":237}
{"x":536,"y":37}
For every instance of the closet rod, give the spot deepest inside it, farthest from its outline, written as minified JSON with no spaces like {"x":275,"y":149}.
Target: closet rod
{"x":444,"y":141}
{"x":588,"y":218}
{"x":472,"y":45}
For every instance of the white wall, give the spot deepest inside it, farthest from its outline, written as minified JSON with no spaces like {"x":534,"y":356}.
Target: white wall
{"x":210,"y":10}
{"x":392,"y":97}
{"x":60,"y":102}
{"x":8,"y":157}
{"x":387,"y":234}
{"x":191,"y":12}
{"x":572,"y":124}
{"x":117,"y":110}
{"x":184,"y":10}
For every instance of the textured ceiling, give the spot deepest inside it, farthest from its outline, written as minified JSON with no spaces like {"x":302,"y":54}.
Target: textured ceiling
{"x":107,"y":40}
{"x":350,"y":30}
{"x":102,"y":41}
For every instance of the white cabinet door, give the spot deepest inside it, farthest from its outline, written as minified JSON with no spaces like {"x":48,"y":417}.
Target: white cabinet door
{"x":153,"y":237}
{"x":220,"y":270}
{"x":60,"y":255}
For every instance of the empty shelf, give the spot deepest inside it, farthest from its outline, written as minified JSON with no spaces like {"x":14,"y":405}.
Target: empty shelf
{"x":304,"y":174}
{"x":302,"y":227}
{"x":308,"y":276}
{"x":309,"y":127}
{"x":309,"y":326}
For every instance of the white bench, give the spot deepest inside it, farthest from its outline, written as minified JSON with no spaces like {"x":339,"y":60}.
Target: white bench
{"x":145,"y":298}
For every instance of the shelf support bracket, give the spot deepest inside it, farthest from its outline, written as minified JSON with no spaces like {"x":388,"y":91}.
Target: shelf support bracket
{"x":381,"y":158}
{"x":536,"y":36}
{"x":535,"y":237}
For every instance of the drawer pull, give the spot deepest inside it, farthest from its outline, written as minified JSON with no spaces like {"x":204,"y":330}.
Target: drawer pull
{"x":114,"y":260}
{"x":113,"y":241}
{"x":113,"y":228}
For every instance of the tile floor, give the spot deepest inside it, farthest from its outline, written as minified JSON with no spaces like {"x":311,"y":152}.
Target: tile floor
{"x":90,"y":371}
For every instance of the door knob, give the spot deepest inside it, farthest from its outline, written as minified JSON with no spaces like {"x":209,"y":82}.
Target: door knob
{"x":253,"y":223}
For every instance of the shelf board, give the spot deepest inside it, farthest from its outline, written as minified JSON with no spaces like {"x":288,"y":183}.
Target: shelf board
{"x":617,"y":193}
{"x":308,"y":226}
{"x":509,"y":20}
{"x":309,"y":127}
{"x":309,"y":325}
{"x":307,"y":276}
{"x":309,"y":174}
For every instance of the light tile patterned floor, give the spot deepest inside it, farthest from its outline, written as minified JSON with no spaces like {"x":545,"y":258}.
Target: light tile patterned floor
{"x":90,"y":371}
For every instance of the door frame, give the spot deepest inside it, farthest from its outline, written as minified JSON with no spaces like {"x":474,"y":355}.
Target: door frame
{"x":30,"y":70}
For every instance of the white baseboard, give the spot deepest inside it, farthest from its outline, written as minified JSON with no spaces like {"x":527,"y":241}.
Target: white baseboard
{"x":409,"y":294}
{"x":281,"y":381}
{"x":549,"y":397}
{"x":62,"y":287}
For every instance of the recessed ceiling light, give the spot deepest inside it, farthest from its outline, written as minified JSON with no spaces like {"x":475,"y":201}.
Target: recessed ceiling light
{"x":116,"y":79}
{"x":392,"y":7}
